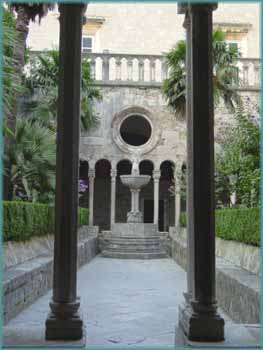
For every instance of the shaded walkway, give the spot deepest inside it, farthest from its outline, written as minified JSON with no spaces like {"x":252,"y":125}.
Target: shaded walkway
{"x":123,"y":302}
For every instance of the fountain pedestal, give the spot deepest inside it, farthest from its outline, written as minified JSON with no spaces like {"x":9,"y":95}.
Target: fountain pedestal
{"x":134,"y":215}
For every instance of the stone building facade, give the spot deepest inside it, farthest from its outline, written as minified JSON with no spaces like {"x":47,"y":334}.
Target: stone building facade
{"x":125,"y":43}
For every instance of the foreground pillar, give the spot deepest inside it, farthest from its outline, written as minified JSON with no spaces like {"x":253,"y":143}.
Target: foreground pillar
{"x":113,"y":195}
{"x":200,"y":321}
{"x":156,"y":179}
{"x":91,"y":195}
{"x":64,"y":322}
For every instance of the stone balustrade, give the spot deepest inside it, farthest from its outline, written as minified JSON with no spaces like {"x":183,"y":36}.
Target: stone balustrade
{"x":130,"y":69}
{"x":127,"y":68}
{"x":151,"y":70}
{"x":249,"y":73}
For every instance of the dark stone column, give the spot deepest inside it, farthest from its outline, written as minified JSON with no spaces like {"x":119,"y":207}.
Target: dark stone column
{"x":185,"y":308}
{"x":64,"y":322}
{"x":200,"y":320}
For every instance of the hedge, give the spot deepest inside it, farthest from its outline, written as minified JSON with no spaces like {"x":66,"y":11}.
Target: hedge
{"x":241,"y":225}
{"x":23,"y":220}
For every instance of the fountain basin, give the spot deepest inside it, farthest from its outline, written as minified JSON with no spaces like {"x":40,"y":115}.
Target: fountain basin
{"x":135,"y":182}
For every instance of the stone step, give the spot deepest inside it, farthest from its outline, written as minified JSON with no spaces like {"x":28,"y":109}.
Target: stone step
{"x":137,"y":242}
{"x":142,"y":238}
{"x":133,"y":255}
{"x":133,"y":248}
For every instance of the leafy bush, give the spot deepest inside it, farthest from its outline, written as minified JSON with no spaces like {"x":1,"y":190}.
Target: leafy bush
{"x":183,"y":219}
{"x":23,"y":220}
{"x":241,"y":225}
{"x":238,"y":158}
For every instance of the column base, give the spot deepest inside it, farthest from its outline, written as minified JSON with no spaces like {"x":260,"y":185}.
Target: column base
{"x":68,"y":329}
{"x":200,"y":326}
{"x":64,"y":322}
{"x":134,"y":216}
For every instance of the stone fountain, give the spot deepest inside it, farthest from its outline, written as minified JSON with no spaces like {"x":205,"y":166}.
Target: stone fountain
{"x":135,"y":182}
{"x":134,"y":239}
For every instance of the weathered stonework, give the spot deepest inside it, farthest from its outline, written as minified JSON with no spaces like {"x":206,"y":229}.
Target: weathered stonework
{"x":168,"y":132}
{"x":237,"y":290}
{"x":167,"y":143}
{"x":26,"y":282}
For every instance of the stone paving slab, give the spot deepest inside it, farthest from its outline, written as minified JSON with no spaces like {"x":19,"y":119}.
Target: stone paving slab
{"x":123,"y":303}
{"x":237,"y":336}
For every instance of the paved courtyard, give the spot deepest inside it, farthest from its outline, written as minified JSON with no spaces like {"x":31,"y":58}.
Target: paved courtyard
{"x":123,"y":302}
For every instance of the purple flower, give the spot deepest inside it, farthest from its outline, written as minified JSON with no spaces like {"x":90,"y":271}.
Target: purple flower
{"x":82,"y":186}
{"x":20,"y":194}
{"x":254,"y":119}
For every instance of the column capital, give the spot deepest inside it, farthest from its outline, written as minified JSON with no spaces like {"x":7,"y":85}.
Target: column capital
{"x":113,"y":174}
{"x":156,"y":175}
{"x":184,"y":8}
{"x":202,"y":7}
{"x":83,"y":6}
{"x":186,"y":23}
{"x":91,"y":173}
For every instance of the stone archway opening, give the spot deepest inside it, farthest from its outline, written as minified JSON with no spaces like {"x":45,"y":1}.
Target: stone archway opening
{"x":166,"y":197}
{"x":135,"y":130}
{"x":146,"y":195}
{"x":102,"y":194}
{"x":123,"y":196}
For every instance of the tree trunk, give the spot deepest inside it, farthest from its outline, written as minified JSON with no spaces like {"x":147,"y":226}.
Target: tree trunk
{"x":22,"y":28}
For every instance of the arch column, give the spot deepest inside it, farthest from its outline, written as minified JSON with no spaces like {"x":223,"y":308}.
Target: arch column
{"x":113,"y":194}
{"x":200,"y":320}
{"x":177,"y":202}
{"x":156,"y":179}
{"x":64,"y":321}
{"x":91,"y":195}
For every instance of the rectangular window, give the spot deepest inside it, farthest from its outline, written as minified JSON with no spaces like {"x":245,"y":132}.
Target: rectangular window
{"x":233,"y":45}
{"x":87,"y":43}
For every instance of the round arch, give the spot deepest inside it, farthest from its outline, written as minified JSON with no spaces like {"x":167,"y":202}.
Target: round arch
{"x":102,"y":194}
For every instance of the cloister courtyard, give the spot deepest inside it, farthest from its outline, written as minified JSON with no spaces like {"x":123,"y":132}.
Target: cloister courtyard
{"x":131,"y":211}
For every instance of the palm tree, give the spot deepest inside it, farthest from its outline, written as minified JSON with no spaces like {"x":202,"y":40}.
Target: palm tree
{"x":224,"y":74}
{"x":42,"y":81}
{"x":25,"y":12}
{"x":10,"y":88}
{"x":31,"y":162}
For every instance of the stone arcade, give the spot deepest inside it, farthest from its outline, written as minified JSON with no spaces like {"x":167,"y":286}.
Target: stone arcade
{"x":199,"y":319}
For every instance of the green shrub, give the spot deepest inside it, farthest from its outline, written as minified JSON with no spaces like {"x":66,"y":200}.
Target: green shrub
{"x":241,"y":225}
{"x":83,"y":216}
{"x":23,"y":220}
{"x":183,"y":219}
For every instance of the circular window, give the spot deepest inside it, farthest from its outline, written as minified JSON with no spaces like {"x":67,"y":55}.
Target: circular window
{"x":135,"y":130}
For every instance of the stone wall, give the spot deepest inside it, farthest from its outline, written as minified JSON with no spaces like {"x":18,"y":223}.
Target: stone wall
{"x":148,"y":28}
{"x":240,"y":254}
{"x":169,"y":130}
{"x":32,"y":277}
{"x":169,"y":133}
{"x":237,"y":290}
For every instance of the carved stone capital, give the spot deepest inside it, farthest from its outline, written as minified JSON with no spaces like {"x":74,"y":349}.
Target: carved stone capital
{"x":113,"y":174}
{"x":202,"y":7}
{"x":91,"y":174}
{"x":156,"y":175}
